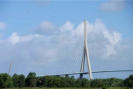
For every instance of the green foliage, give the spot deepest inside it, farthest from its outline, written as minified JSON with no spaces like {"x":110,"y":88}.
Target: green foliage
{"x":97,"y":83}
{"x":111,"y":82}
{"x":5,"y":80}
{"x":82,"y":83}
{"x":15,"y":80}
{"x":129,"y":81}
{"x":52,"y":81}
{"x":31,"y":80}
{"x":21,"y":81}
{"x":18,"y":80}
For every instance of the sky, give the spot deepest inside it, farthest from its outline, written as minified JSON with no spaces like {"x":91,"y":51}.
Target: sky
{"x":46,"y":36}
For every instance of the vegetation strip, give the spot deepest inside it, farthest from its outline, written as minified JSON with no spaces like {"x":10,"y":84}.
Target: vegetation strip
{"x":15,"y":81}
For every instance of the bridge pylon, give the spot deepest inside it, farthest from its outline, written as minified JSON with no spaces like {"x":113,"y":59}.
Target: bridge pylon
{"x":85,"y":55}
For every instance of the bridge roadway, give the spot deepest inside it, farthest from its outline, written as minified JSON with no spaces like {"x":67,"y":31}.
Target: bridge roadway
{"x":82,"y":73}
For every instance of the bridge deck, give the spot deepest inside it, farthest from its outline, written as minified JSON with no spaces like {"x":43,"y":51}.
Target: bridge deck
{"x":92,"y":72}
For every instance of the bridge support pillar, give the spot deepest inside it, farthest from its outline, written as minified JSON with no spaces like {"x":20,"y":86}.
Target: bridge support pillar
{"x":81,"y":76}
{"x":66,"y":75}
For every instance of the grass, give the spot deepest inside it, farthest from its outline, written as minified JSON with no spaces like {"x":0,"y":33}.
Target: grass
{"x":74,"y":88}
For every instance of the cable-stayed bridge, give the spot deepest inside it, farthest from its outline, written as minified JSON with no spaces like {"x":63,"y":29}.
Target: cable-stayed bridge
{"x":85,"y":57}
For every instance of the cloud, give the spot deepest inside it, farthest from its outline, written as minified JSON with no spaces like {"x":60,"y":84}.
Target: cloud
{"x":113,"y":39}
{"x":68,"y":26}
{"x":113,"y":5}
{"x":15,"y":38}
{"x":46,"y":28}
{"x":59,"y":50}
{"x":2,"y":25}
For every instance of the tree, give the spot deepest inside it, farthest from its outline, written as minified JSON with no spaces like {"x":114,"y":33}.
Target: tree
{"x":63,"y":82}
{"x":31,"y":80}
{"x":129,"y":81}
{"x":96,"y":83}
{"x":56,"y":81}
{"x":78,"y":82}
{"x":67,"y":81}
{"x":21,"y":80}
{"x":15,"y":80}
{"x":5,"y":80}
{"x":71,"y":81}
{"x":113,"y":82}
{"x":18,"y":80}
{"x":85,"y":83}
{"x":39,"y":81}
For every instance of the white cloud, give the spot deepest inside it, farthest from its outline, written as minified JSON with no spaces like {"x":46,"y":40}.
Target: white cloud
{"x":15,"y":38}
{"x":52,"y":53}
{"x":68,"y":26}
{"x":70,"y":35}
{"x":113,"y":38}
{"x":110,"y":51}
{"x":2,"y":25}
{"x":113,"y":5}
{"x":46,"y":28}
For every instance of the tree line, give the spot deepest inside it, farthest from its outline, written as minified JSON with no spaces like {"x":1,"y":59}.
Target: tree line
{"x":31,"y":80}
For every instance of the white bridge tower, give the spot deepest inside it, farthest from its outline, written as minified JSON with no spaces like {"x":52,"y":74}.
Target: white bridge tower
{"x":85,"y":55}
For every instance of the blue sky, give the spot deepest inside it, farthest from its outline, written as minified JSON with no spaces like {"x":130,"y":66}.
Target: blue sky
{"x":45,"y":36}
